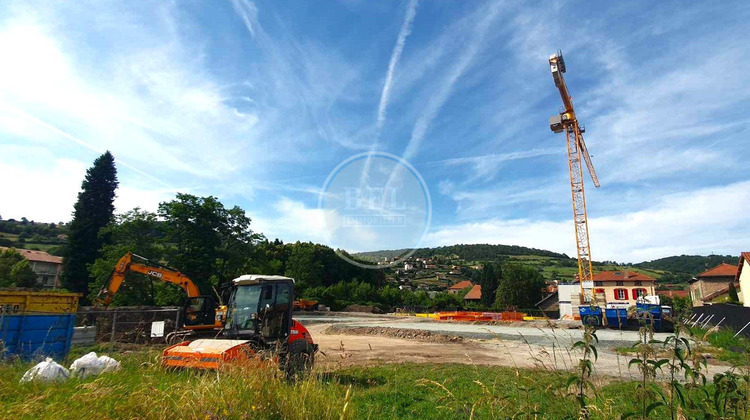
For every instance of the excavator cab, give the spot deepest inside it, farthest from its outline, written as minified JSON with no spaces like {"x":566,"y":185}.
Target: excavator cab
{"x":199,"y":312}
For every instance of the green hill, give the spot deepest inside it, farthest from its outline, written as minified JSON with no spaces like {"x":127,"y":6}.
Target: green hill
{"x":473,"y":252}
{"x":681,"y":268}
{"x":557,"y":266}
{"x":29,"y":234}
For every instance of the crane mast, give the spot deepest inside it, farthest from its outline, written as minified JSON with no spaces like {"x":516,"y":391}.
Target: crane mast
{"x":566,"y":121}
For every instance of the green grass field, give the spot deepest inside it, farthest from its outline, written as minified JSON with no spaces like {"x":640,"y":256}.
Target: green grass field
{"x":143,"y":389}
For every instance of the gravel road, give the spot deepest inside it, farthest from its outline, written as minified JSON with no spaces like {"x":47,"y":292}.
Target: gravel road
{"x":543,"y":335}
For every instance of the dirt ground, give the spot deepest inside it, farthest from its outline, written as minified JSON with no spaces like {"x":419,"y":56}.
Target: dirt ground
{"x":343,"y":346}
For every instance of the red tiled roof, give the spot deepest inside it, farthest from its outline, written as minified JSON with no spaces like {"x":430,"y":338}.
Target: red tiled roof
{"x":461,"y":285}
{"x":39,"y":256}
{"x":744,"y":256}
{"x":621,"y":276}
{"x":673,"y":293}
{"x":474,"y":294}
{"x":721,"y":270}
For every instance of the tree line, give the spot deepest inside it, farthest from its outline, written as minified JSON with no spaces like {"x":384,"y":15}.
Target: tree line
{"x":212,"y":244}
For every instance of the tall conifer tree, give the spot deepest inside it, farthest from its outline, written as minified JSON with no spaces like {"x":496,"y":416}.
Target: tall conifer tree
{"x":93,"y":210}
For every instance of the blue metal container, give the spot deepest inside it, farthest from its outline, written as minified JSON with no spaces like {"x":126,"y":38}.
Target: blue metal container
{"x":590,"y":315}
{"x":36,"y":336}
{"x":649,"y":314}
{"x":617,"y":317}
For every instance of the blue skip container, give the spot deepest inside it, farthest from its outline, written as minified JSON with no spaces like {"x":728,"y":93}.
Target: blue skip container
{"x":649,"y":314}
{"x":590,"y":315}
{"x":36,"y":336}
{"x":617,"y":317}
{"x":36,"y":324}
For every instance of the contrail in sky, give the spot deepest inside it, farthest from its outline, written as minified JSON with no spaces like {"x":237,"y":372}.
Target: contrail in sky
{"x":411,"y":12}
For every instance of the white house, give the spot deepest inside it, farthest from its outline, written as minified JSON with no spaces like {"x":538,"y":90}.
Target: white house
{"x":743,"y":277}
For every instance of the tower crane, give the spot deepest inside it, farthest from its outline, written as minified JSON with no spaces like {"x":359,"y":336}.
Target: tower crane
{"x":566,"y":121}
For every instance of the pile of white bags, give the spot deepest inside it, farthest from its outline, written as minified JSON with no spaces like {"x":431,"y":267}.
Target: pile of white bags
{"x":85,"y":366}
{"x":46,"y":371}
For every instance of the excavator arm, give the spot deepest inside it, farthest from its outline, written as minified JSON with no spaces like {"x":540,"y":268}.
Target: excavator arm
{"x":143,"y":266}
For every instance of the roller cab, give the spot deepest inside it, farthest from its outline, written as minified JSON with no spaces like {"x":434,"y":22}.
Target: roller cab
{"x":259,"y":326}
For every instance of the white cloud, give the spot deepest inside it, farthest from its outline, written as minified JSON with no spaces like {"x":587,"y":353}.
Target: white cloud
{"x":698,"y":222}
{"x":292,"y":221}
{"x":44,"y":195}
{"x":129,"y":198}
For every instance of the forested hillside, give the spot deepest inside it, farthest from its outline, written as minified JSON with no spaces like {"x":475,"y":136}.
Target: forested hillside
{"x":468,"y":252}
{"x":29,"y":234}
{"x":688,"y":264}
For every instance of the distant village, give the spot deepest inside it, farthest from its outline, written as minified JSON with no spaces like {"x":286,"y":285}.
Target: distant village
{"x":615,"y":288}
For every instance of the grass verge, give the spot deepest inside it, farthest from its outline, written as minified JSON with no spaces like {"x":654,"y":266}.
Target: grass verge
{"x":143,"y":389}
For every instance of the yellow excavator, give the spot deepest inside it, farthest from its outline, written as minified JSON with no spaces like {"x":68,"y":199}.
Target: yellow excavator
{"x":200,"y":313}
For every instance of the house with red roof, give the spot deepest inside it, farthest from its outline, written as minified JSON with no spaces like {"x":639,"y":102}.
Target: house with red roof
{"x":46,"y":267}
{"x":474,"y":295}
{"x":712,"y":284}
{"x":460,"y":286}
{"x":623,"y":287}
{"x":742,"y":277}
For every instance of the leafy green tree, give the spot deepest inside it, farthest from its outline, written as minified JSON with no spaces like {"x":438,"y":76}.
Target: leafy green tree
{"x":521,"y":286}
{"x":15,"y":270}
{"x":303,"y":265}
{"x":489,"y":283}
{"x":139,"y":232}
{"x":443,"y":301}
{"x":211,"y":243}
{"x":93,"y":211}
{"x":476,"y":277}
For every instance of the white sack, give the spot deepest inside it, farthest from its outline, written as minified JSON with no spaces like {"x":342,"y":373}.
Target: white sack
{"x":109,"y":363}
{"x":91,"y":365}
{"x":46,"y":371}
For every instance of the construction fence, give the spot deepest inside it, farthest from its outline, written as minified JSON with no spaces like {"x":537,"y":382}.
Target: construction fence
{"x":736,"y":317}
{"x":141,"y":325}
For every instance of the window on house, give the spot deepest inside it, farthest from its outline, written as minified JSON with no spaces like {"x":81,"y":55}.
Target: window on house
{"x":621,"y":294}
{"x":598,"y":283}
{"x":638,"y":292}
{"x":638,"y":283}
{"x":620,"y":283}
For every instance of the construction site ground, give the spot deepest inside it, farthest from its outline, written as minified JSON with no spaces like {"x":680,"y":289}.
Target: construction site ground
{"x":349,"y":339}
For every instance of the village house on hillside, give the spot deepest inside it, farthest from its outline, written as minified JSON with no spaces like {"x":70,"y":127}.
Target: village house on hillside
{"x":459,"y":286}
{"x":46,"y":267}
{"x":712,"y":284}
{"x":622,"y":286}
{"x":474,"y":295}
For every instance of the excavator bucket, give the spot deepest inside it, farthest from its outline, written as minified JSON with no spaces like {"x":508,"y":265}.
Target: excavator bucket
{"x":208,"y":354}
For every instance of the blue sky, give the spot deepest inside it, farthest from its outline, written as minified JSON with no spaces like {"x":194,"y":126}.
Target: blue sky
{"x":256,"y":103}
